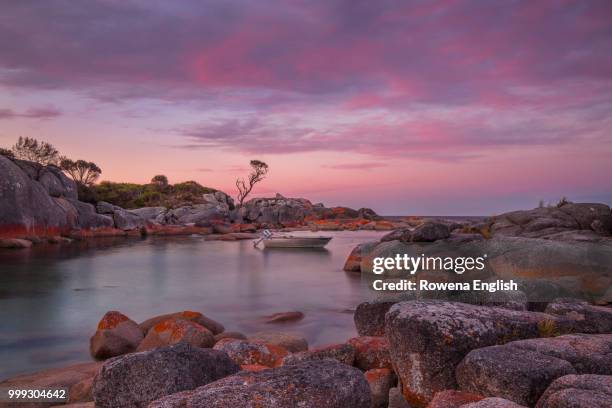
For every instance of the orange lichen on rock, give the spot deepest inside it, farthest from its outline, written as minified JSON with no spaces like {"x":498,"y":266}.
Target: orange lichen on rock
{"x":253,"y":367}
{"x":111,"y":319}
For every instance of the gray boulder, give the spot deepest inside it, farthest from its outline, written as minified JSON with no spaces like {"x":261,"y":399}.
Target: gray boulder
{"x":428,"y":339}
{"x":136,"y":379}
{"x":88,"y":218}
{"x":429,"y":232}
{"x":315,"y":384}
{"x":291,"y":342}
{"x":126,"y":220}
{"x":369,"y":317}
{"x":503,"y":371}
{"x":150,"y":213}
{"x":57,"y":183}
{"x":26,"y":208}
{"x":578,"y":391}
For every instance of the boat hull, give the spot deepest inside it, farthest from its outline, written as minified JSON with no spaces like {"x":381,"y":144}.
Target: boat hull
{"x":296,"y":242}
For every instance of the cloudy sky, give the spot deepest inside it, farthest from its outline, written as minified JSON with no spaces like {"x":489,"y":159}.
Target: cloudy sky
{"x":408,"y":107}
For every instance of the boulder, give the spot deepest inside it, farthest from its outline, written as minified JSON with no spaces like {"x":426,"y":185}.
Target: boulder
{"x":88,"y":218}
{"x":428,"y":339}
{"x":315,"y":384}
{"x":126,"y":220}
{"x":243,"y":352}
{"x":579,"y":391}
{"x":136,"y":379}
{"x":173,"y":331}
{"x":583,"y":317}
{"x":401,"y":234}
{"x":197,"y":317}
{"x":504,"y":371}
{"x":290,"y":342}
{"x":587,"y":353}
{"x":344,"y":353}
{"x":369,"y":317}
{"x":57,"y":183}
{"x":102,"y":207}
{"x":116,"y":334}
{"x":380,"y":380}
{"x":453,"y":399}
{"x":371,"y":352}
{"x":26,"y":209}
{"x":155,"y":214}
{"x":429,"y":232}
{"x":353,"y":262}
{"x":493,"y":403}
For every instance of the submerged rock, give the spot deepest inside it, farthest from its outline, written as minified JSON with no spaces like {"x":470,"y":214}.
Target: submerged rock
{"x":315,"y":384}
{"x":136,"y":379}
{"x":116,"y":334}
{"x":284,"y":317}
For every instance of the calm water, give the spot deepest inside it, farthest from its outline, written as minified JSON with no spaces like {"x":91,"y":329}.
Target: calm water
{"x":51,"y":298}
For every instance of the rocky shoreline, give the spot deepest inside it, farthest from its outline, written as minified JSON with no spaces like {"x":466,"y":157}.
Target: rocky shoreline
{"x":432,"y":353}
{"x":40,"y":205}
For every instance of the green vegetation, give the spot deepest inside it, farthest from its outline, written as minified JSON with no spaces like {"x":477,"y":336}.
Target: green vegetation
{"x":130,"y":195}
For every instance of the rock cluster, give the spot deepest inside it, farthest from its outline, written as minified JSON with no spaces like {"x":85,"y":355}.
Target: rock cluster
{"x":39,"y":203}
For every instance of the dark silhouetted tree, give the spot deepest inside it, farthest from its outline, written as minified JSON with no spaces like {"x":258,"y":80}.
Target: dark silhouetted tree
{"x":28,"y":148}
{"x":259,"y":170}
{"x":160,"y":180}
{"x":81,"y":171}
{"x":7,"y":153}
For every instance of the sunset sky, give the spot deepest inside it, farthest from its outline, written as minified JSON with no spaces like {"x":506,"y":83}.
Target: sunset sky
{"x":407,"y":107}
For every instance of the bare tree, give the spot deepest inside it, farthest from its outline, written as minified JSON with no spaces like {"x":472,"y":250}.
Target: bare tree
{"x":81,"y":171}
{"x":259,"y":170}
{"x":28,"y":148}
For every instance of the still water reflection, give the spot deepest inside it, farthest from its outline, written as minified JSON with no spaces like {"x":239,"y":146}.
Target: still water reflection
{"x":52,"y":297}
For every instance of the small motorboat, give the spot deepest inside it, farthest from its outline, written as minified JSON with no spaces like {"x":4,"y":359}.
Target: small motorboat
{"x":290,"y":241}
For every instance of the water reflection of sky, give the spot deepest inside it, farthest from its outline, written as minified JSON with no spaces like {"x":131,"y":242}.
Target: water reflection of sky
{"x":51,"y":298}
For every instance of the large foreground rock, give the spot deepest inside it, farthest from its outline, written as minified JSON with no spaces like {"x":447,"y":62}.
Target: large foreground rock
{"x":197,"y":317}
{"x":578,"y":391}
{"x":428,"y":339}
{"x":493,"y":403}
{"x":315,"y":384}
{"x":521,"y":370}
{"x":500,"y":371}
{"x":584,"y":317}
{"x":173,"y":331}
{"x":291,"y":342}
{"x":343,"y":353}
{"x":369,"y":317}
{"x":137,"y":379}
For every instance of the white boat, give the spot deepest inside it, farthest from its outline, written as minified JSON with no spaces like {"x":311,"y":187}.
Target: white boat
{"x":290,"y":241}
{"x":296,"y":242}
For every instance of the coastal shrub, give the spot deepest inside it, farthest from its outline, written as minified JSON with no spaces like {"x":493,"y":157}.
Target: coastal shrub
{"x":86,"y":193}
{"x":131,"y":195}
{"x":28,"y":148}
{"x":548,"y":328}
{"x":7,"y":153}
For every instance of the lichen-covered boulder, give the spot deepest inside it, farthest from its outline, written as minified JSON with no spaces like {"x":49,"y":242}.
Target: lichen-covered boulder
{"x":380,"y":380}
{"x":504,"y":371}
{"x":587,"y":353}
{"x":243,"y":352}
{"x":136,"y":379}
{"x":578,"y":391}
{"x":371,"y":352}
{"x":314,"y":384}
{"x":353,"y":262}
{"x":229,"y":335}
{"x":56,"y":183}
{"x":582,"y":316}
{"x":173,"y":331}
{"x":344,"y":353}
{"x":428,"y":339}
{"x":197,"y":317}
{"x":493,"y":403}
{"x":116,"y":334}
{"x":291,"y":342}
{"x":429,"y":232}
